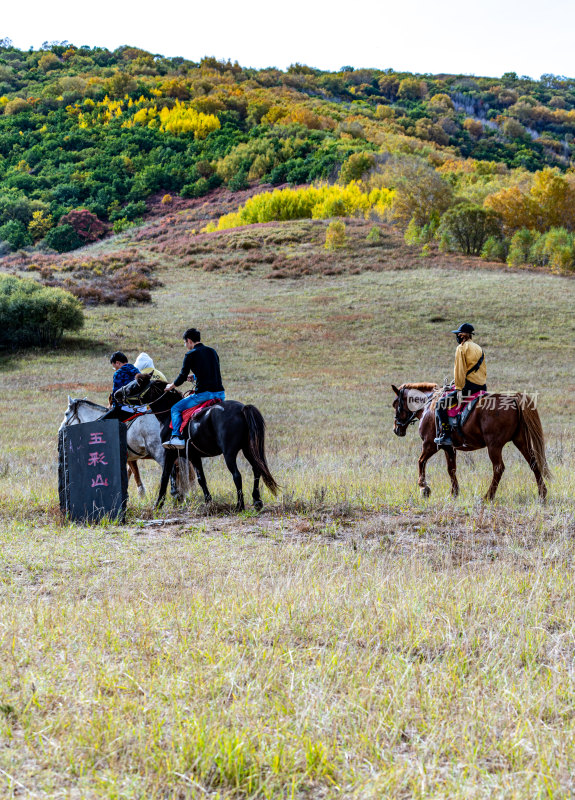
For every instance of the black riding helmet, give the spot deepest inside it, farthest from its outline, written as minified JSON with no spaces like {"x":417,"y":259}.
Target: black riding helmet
{"x":465,"y":328}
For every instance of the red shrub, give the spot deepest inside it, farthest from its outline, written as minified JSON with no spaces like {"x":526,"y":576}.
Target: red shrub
{"x":87,"y":225}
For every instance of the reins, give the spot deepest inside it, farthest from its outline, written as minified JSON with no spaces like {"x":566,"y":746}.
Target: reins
{"x":413,"y":418}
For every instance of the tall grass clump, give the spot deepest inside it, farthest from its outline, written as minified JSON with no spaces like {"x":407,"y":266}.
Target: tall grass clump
{"x":311,"y":202}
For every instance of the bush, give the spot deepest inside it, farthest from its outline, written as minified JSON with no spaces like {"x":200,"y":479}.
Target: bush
{"x":470,"y":226}
{"x":520,"y":247}
{"x":495,"y":249}
{"x":374,"y":236}
{"x":32,"y":315}
{"x":197,"y":189}
{"x":310,"y":202}
{"x":39,"y":225}
{"x":238,"y":182}
{"x":129,"y":211}
{"x":416,"y":234}
{"x":62,"y":238}
{"x":123,"y":224}
{"x":15,"y":234}
{"x":335,"y":236}
{"x":554,"y":249}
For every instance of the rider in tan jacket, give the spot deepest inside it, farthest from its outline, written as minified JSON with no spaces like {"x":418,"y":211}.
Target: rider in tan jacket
{"x":467,"y":355}
{"x":470,"y":376}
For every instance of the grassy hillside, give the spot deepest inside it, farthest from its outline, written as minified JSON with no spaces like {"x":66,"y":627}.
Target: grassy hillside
{"x":352,"y":640}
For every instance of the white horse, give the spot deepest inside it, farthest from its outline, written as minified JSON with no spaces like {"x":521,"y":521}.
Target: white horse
{"x":143,"y":442}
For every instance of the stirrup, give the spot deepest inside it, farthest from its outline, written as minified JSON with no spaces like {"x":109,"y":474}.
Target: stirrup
{"x":444,"y":439}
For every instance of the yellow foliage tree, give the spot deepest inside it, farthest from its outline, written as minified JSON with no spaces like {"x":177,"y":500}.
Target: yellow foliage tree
{"x":516,"y":209}
{"x":473,"y":127}
{"x":181,"y":120}
{"x":549,"y":203}
{"x":555,"y":197}
{"x":39,"y":225}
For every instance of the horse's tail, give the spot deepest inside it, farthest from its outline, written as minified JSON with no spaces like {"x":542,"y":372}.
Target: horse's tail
{"x":256,"y":431}
{"x":533,"y":430}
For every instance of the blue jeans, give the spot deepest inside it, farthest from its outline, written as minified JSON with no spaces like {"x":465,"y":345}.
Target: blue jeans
{"x":189,"y":402}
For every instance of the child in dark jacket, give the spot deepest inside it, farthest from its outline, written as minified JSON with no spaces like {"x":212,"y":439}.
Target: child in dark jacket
{"x":124,"y":373}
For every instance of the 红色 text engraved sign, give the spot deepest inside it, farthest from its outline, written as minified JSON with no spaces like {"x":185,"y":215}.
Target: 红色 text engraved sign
{"x":92,"y":477}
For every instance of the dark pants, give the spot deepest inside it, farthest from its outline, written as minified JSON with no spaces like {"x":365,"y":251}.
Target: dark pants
{"x":449,"y":400}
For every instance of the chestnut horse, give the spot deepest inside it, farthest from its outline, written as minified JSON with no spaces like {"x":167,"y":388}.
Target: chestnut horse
{"x":495,"y":420}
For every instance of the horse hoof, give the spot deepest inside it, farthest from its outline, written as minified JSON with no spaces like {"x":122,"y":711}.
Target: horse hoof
{"x":141,"y":491}
{"x":425,"y":491}
{"x":258,"y":505}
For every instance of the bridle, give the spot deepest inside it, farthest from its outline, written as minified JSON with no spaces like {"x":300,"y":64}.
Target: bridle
{"x":75,"y":415}
{"x":399,"y":410}
{"x":141,"y":401}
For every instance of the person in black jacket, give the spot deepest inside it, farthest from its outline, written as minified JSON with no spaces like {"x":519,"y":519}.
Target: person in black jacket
{"x":202,"y":362}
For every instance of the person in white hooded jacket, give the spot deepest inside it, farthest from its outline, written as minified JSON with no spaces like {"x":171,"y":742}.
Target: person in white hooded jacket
{"x":145,"y":366}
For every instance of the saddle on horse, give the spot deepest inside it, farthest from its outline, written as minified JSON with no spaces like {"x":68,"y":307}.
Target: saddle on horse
{"x":450,"y":416}
{"x":191,"y":413}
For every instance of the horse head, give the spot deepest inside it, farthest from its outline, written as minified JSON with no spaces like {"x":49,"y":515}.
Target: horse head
{"x":411,"y":399}
{"x":142,"y":390}
{"x":80,"y":409}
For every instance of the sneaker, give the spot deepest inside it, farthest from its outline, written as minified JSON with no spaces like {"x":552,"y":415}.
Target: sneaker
{"x":177,"y":442}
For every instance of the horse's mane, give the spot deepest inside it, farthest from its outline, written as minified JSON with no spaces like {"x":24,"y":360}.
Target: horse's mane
{"x":87,"y":403}
{"x":161,"y":385}
{"x":420,"y":387}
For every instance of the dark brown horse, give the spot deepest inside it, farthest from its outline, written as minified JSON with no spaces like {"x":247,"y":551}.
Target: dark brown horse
{"x":223,"y":429}
{"x":495,"y":420}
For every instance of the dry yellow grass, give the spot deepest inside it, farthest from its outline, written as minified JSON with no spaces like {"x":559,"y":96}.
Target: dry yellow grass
{"x":353,"y":641}
{"x":382,"y":656}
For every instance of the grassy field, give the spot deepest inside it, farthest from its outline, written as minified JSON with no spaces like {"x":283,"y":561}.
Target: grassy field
{"x":353,"y":640}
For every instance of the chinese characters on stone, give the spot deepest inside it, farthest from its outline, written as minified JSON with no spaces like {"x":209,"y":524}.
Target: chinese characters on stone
{"x":96,"y":458}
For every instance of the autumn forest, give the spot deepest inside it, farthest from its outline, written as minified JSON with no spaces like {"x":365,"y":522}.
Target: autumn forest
{"x":479,"y":165}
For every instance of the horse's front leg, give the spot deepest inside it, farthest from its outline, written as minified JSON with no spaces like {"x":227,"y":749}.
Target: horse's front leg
{"x":429,"y":449}
{"x":170,"y":458}
{"x":451,"y":458}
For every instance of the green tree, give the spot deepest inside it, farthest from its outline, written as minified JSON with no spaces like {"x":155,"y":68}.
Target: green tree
{"x":469,"y":227}
{"x":355,"y":167}
{"x":62,"y":238}
{"x":15,"y":234}
{"x":420,"y":192}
